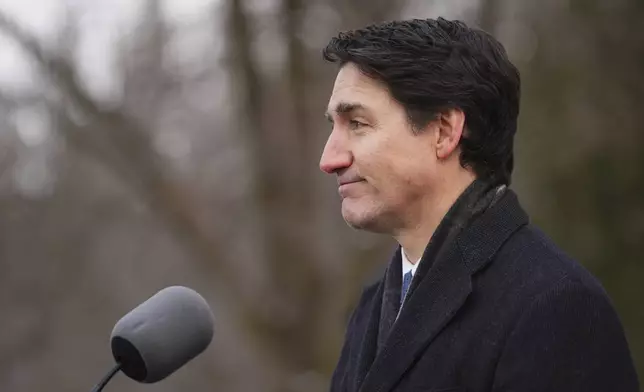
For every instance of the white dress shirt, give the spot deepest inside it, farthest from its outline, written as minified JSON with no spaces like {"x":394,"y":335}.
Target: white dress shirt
{"x":408,"y":265}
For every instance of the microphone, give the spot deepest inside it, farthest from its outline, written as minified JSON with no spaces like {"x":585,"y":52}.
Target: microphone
{"x":160,"y":335}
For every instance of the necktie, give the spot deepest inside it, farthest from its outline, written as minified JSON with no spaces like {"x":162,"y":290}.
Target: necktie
{"x":405,"y":286}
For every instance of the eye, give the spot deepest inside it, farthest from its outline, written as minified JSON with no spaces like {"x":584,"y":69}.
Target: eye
{"x":355,"y":124}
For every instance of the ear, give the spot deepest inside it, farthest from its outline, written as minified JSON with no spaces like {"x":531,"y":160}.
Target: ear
{"x":451,"y":125}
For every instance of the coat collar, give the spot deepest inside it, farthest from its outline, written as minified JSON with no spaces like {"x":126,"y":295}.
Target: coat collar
{"x":438,"y":295}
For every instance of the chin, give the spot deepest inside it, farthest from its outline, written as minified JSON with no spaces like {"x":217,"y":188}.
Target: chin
{"x":364,"y":217}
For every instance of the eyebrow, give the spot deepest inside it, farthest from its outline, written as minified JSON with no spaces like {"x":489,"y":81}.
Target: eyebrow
{"x":344,"y":108}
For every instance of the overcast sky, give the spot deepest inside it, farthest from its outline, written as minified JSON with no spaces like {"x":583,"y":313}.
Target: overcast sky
{"x":101,"y":23}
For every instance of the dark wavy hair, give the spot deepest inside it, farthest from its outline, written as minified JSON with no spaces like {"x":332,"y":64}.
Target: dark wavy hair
{"x":430,"y":65}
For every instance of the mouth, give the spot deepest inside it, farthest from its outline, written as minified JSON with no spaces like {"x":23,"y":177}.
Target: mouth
{"x":344,"y":188}
{"x":349,"y":182}
{"x":348,"y":179}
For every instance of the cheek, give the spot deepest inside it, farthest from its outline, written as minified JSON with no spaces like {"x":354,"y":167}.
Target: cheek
{"x":400,"y":168}
{"x":412,"y":180}
{"x":394,"y":162}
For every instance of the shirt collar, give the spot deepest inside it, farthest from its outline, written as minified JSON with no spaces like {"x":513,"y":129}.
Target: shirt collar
{"x":407,"y":265}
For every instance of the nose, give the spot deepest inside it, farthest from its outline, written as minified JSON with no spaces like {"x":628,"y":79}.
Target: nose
{"x":336,"y":155}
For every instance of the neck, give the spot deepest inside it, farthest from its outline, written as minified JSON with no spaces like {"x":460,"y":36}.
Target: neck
{"x":414,"y":238}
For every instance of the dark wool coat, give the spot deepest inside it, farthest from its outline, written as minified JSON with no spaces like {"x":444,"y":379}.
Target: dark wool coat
{"x":495,"y":306}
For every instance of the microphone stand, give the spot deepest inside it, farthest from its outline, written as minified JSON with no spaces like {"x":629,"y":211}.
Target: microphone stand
{"x":99,"y":387}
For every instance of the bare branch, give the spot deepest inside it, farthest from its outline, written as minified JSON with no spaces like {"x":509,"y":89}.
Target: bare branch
{"x":121,"y":144}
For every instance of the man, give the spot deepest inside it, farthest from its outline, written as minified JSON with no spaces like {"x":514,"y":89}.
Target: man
{"x":476,"y":298}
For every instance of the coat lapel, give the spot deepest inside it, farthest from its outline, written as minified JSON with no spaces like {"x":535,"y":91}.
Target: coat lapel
{"x":433,"y":304}
{"x":442,"y":292}
{"x":392,"y":285}
{"x":368,"y":345}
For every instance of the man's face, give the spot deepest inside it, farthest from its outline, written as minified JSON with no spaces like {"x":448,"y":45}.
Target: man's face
{"x":385,"y":171}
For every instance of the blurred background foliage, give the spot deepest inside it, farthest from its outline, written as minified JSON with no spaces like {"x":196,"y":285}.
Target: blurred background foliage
{"x":150,"y":143}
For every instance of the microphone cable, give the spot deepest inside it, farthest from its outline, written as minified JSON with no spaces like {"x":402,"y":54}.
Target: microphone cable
{"x":99,"y":387}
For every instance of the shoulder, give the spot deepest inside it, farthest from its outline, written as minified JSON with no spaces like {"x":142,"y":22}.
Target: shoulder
{"x":562,"y":319}
{"x":558,"y":317}
{"x":531,"y":260}
{"x":532,"y":277}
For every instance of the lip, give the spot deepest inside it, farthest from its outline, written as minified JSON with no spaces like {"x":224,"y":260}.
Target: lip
{"x":349,"y":182}
{"x":343,"y":188}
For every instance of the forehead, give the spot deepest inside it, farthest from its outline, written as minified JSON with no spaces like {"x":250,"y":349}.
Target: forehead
{"x":354,"y":87}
